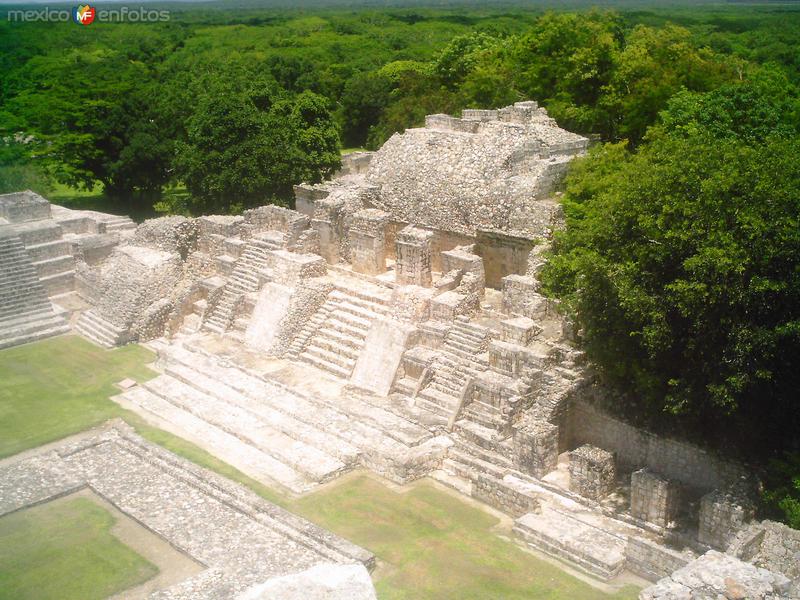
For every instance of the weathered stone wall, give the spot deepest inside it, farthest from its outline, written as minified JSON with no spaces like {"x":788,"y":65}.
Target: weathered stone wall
{"x":650,"y":560}
{"x":770,"y":545}
{"x":129,"y":281}
{"x":503,"y":497}
{"x":636,"y":448}
{"x":170,"y":234}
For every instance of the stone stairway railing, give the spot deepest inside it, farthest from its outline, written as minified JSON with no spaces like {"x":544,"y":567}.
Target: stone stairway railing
{"x":336,"y":333}
{"x":249,"y":274}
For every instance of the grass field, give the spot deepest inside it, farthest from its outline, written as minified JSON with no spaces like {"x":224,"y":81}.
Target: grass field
{"x":66,"y":551}
{"x":438,"y":547}
{"x":432,"y":544}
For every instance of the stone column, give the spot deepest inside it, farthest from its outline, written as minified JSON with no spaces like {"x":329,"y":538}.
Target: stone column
{"x":368,"y":241}
{"x":536,"y":448}
{"x":413,"y":265}
{"x":722,"y":515}
{"x":654,"y":499}
{"x":325,"y":221}
{"x":592,"y":472}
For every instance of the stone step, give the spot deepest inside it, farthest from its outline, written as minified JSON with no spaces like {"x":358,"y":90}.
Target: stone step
{"x":22,"y":303}
{"x":325,"y":365}
{"x":334,"y":416}
{"x":46,"y":250}
{"x":98,"y":336}
{"x":26,"y":317}
{"x":405,"y":385}
{"x":562,"y":536}
{"x":316,"y":349}
{"x":375,"y":307}
{"x":59,"y":283}
{"x":19,"y":308}
{"x":366,"y":292}
{"x":450,"y":344}
{"x":52,"y":266}
{"x":445,"y":401}
{"x":484,"y":454}
{"x":38,"y":232}
{"x":262,"y":407}
{"x":312,"y":463}
{"x":33,"y":336}
{"x":435,"y":410}
{"x":485,"y":415}
{"x":246,"y":458}
{"x":345,"y":328}
{"x":22,"y":328}
{"x":342,"y":339}
{"x":355,"y":322}
{"x":331,"y":345}
{"x":484,"y":437}
{"x":477,"y":464}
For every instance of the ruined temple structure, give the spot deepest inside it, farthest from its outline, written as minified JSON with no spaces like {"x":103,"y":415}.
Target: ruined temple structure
{"x":394,"y":322}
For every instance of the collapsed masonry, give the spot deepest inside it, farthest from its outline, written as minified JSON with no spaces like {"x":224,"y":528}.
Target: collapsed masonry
{"x":394,"y":322}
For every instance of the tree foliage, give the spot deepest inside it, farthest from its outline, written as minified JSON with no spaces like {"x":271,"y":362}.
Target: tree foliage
{"x":244,"y":149}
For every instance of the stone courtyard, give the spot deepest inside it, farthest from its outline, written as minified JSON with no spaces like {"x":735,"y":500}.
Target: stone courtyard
{"x":392,"y":322}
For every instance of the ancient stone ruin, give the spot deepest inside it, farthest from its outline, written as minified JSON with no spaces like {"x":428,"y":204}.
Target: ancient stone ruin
{"x":394,"y":322}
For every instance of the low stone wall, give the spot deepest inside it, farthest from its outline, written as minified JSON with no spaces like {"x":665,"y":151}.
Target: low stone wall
{"x":652,"y":561}
{"x":497,"y":494}
{"x":636,"y":448}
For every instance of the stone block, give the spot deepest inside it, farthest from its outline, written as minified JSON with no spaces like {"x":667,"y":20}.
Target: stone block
{"x":413,"y":251}
{"x":654,"y":499}
{"x":592,"y":472}
{"x":368,"y":241}
{"x":536,"y":448}
{"x":20,"y":207}
{"x":520,"y":330}
{"x":723,"y":513}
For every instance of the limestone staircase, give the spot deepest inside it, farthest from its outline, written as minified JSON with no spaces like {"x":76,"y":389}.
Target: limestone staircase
{"x":101,"y":331}
{"x":335,"y":335}
{"x":50,"y":254}
{"x":26,"y":314}
{"x":249,"y":273}
{"x":463,"y":357}
{"x":117,"y":223}
{"x":268,"y":432}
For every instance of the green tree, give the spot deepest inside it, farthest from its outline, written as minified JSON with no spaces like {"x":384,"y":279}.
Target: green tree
{"x":244,"y":149}
{"x":682,"y":265}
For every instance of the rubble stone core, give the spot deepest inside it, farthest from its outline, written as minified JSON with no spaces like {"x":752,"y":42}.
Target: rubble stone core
{"x":394,"y":322}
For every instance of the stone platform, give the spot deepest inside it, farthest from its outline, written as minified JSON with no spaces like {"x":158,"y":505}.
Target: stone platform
{"x":277,"y":435}
{"x":240,"y":539}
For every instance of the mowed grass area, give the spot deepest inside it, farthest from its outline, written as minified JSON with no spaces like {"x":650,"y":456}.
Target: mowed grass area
{"x":61,"y":386}
{"x":66,"y":551}
{"x":435,"y":546}
{"x":432,"y":545}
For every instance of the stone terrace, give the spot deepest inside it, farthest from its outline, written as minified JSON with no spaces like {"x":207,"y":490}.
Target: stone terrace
{"x":240,"y":539}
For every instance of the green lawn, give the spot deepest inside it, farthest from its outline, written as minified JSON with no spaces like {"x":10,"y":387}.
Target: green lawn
{"x":61,"y":386}
{"x":438,"y":547}
{"x":64,"y":551}
{"x":433,"y":544}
